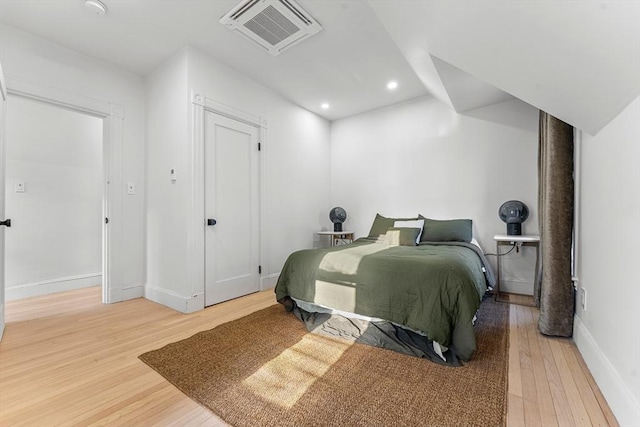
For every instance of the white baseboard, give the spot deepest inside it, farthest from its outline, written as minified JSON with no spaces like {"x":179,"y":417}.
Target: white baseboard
{"x":620,"y":399}
{"x":132,"y":292}
{"x":52,"y":286}
{"x":195,"y":303}
{"x":191,"y":304}
{"x":124,"y":293}
{"x":269,"y":281}
{"x":115,"y":295}
{"x":173,"y":300}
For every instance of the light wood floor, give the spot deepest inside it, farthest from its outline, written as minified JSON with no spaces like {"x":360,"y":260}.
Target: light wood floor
{"x":67,"y":359}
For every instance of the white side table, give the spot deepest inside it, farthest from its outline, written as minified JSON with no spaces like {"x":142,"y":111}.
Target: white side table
{"x":524,"y":240}
{"x":338,"y":237}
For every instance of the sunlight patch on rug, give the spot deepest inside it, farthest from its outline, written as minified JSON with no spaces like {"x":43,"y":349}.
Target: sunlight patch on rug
{"x":286,"y":378}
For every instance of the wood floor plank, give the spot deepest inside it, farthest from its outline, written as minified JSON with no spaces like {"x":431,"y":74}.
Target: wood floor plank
{"x":576,"y":405}
{"x":515,"y":411}
{"x":596,"y":416}
{"x":602,"y":402}
{"x":530,"y":394}
{"x":104,"y":414}
{"x":515,"y":376}
{"x":66,"y":359}
{"x":543,"y":391}
{"x":558,"y":393}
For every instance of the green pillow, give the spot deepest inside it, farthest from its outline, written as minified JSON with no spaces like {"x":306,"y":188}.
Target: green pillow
{"x":402,"y":236}
{"x":381,"y":224}
{"x":449,"y":230}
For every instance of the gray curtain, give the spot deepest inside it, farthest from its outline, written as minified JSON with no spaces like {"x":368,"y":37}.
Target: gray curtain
{"x":555,"y":210}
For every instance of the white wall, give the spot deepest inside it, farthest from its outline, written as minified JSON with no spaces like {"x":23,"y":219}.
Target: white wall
{"x":423,"y":157}
{"x":55,"y":242}
{"x":167,"y":143}
{"x":34,"y":60}
{"x":608,"y":331}
{"x":297,"y":170}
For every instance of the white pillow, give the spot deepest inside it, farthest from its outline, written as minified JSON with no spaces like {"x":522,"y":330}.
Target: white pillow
{"x":418,"y":223}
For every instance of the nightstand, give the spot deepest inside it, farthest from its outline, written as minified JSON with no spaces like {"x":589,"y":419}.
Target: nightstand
{"x":519,"y":241}
{"x":338,"y":237}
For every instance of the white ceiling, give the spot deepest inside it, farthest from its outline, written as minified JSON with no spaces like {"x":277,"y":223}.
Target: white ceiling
{"x":577,"y":60}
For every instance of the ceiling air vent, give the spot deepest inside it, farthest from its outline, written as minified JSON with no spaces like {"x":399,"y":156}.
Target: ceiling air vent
{"x":275,"y":25}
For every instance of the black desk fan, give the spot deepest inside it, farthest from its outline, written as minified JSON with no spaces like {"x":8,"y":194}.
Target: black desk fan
{"x":337,"y":217}
{"x":513,"y":213}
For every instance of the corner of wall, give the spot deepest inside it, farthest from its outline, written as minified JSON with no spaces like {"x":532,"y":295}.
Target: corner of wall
{"x":269,"y":281}
{"x":173,"y":300}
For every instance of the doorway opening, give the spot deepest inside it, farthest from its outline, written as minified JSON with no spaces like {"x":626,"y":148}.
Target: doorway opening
{"x":55,"y":196}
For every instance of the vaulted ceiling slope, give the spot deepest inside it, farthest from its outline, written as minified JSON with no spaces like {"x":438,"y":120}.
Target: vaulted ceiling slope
{"x":578,"y":60}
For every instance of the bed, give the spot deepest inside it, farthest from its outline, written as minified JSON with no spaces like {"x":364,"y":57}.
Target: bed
{"x":426,"y":277}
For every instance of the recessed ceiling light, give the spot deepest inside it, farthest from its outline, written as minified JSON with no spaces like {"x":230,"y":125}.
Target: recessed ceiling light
{"x":96,"y":6}
{"x":392,"y":85}
{"x":325,"y":106}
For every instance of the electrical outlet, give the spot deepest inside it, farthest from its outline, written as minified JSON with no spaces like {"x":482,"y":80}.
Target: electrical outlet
{"x":19,"y":186}
{"x":131,"y":189}
{"x":583,"y":298}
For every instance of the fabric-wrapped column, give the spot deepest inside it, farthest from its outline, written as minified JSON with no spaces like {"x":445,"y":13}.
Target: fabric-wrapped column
{"x":555,"y":204}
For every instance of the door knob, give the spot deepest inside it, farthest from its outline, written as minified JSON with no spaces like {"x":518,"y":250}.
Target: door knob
{"x":211,"y":221}
{"x":6,"y":222}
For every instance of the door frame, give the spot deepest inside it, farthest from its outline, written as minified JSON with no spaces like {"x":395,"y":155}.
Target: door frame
{"x":112,"y":116}
{"x":3,"y":99}
{"x":196,"y":208}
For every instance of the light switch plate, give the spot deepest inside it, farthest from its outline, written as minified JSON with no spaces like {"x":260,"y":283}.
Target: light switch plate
{"x":131,"y":189}
{"x":19,"y":186}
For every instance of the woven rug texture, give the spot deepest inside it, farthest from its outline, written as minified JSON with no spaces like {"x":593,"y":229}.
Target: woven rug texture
{"x":265,"y":369}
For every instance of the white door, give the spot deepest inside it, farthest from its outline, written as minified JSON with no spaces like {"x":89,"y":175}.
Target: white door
{"x":231,"y":209}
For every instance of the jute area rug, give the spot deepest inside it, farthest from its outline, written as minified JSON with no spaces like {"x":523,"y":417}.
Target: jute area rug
{"x":265,"y":369}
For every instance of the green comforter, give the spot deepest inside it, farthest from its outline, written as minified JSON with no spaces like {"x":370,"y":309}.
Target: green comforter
{"x":435,"y":289}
